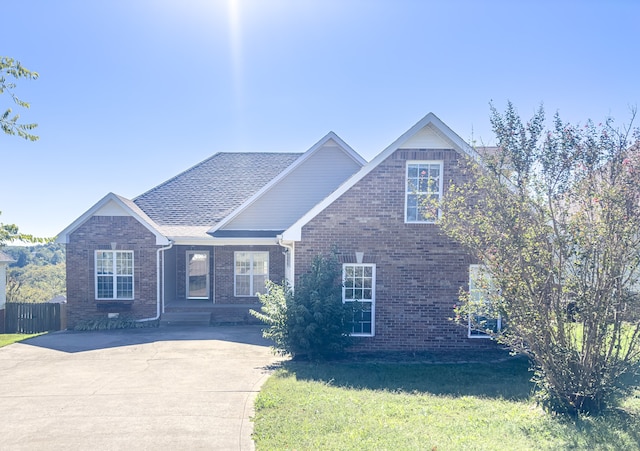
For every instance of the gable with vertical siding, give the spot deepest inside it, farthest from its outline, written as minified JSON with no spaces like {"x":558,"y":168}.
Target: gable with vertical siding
{"x":322,"y":172}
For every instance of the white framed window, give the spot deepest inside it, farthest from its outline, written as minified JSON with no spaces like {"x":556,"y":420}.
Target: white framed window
{"x":114,"y":274}
{"x":423,"y":191}
{"x":483,"y":315}
{"x":197,"y":275}
{"x":251,"y":273}
{"x":359,"y":289}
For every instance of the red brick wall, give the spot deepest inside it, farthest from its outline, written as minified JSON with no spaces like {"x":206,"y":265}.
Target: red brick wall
{"x":419,"y":271}
{"x":98,"y":233}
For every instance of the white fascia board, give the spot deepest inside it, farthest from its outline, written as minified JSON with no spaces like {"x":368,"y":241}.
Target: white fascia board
{"x":294,"y":232}
{"x":329,"y":136}
{"x":63,"y":237}
{"x":192,"y":241}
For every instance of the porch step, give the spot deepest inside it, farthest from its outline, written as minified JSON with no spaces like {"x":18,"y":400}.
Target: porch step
{"x":185,"y":319}
{"x":234,"y":314}
{"x":219,"y":314}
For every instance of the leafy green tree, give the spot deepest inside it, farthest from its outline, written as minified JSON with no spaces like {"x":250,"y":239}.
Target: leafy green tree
{"x":9,"y":121}
{"x":554,"y":217}
{"x":10,"y":125}
{"x":312,"y":321}
{"x":10,"y":232}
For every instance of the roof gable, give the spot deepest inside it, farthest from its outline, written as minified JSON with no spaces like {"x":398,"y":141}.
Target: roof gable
{"x":429,"y":132}
{"x":114,"y":205}
{"x":313,"y":176}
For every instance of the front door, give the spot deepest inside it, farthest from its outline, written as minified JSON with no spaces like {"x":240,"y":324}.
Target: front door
{"x":197,"y":275}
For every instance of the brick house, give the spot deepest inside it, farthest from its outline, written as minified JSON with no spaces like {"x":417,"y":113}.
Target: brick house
{"x":206,"y":240}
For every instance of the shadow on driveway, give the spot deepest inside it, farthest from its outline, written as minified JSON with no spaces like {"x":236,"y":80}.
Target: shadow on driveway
{"x":139,"y":389}
{"x":72,"y":341}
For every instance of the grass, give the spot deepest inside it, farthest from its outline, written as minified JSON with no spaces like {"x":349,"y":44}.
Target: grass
{"x":7,"y":339}
{"x":424,"y":406}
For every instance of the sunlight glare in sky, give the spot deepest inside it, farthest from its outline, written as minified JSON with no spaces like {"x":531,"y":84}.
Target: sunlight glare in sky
{"x":131,"y":93}
{"x":235,"y":42}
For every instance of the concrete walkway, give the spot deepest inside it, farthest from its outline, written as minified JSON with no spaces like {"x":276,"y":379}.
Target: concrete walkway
{"x":155,"y":389}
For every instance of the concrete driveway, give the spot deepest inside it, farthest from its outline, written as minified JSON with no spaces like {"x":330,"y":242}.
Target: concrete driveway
{"x":155,"y":389}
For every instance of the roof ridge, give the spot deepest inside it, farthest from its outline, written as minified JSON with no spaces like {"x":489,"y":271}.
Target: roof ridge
{"x":206,"y":160}
{"x":176,"y":176}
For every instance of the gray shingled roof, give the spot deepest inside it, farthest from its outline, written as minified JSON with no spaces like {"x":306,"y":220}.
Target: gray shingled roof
{"x":210,"y":190}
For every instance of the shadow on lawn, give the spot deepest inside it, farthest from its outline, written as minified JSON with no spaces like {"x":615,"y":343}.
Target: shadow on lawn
{"x":506,"y":378}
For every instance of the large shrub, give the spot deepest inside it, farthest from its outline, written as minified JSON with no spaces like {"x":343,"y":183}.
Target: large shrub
{"x":311,"y":321}
{"x":554,"y":217}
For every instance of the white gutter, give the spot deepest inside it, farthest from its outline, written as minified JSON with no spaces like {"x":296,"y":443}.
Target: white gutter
{"x":160,"y":285}
{"x":290,"y":253}
{"x":213,"y":241}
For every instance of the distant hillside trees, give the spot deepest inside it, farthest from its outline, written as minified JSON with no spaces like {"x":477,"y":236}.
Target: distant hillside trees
{"x":39,"y":273}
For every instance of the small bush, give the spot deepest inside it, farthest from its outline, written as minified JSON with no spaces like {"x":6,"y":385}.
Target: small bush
{"x":274,"y":313}
{"x":311,"y":322}
{"x":104,"y":323}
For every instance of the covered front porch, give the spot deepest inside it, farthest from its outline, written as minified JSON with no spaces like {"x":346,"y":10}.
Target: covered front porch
{"x":217,"y":284}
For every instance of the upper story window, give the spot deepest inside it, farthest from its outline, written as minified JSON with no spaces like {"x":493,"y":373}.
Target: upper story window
{"x":114,"y":274}
{"x":251,"y":273}
{"x":423,"y":191}
{"x":359,"y":289}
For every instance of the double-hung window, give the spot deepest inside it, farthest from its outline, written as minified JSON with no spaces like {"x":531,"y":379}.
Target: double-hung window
{"x":483,"y":314}
{"x":423,"y":191}
{"x":114,"y":274}
{"x":359,"y":290}
{"x":251,"y":273}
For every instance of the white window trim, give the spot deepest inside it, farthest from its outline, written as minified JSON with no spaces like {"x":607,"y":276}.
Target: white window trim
{"x":406,"y":193}
{"x":190,"y":252}
{"x":373,"y":296}
{"x":251,"y":289}
{"x":478,"y":334}
{"x":114,"y":275}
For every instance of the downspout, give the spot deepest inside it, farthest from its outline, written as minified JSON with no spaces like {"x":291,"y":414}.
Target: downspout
{"x":289,"y":250}
{"x":160,"y":285}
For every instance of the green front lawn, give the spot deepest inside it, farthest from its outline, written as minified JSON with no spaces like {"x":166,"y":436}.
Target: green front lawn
{"x":420,"y":406}
{"x":7,"y":339}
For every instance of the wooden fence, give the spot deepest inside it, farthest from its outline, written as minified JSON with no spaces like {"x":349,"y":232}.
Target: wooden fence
{"x":28,"y":318}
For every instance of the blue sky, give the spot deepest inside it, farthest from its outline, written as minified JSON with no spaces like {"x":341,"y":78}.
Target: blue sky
{"x":132,"y":92}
